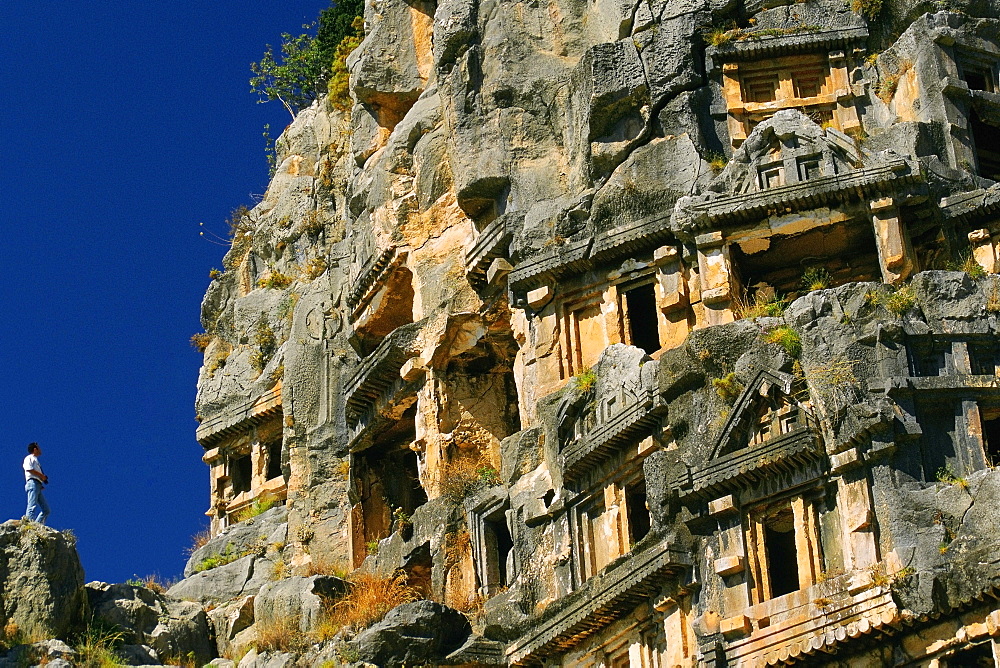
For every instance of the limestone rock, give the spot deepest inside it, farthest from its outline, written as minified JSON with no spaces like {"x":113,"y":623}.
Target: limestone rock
{"x":41,"y":580}
{"x":423,"y":631}
{"x":645,"y":332}
{"x":165,"y":627}
{"x":298,"y":598}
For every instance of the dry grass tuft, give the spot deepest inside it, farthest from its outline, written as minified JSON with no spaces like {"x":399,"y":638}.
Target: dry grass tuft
{"x":201,"y":340}
{"x":320,"y":566}
{"x":728,"y":387}
{"x":759,"y":307}
{"x":199,"y":540}
{"x":464,"y":476}
{"x":787,"y":338}
{"x":281,"y":635}
{"x":457,"y":545}
{"x":899,"y":302}
{"x":993,"y":298}
{"x":369,"y":599}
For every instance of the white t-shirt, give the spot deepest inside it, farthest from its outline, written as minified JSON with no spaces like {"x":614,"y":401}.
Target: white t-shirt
{"x":31,"y":463}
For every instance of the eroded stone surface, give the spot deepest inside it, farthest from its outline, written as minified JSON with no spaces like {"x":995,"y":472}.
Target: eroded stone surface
{"x":631,"y":349}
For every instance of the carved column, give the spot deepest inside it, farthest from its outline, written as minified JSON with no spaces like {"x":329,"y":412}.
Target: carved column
{"x":857,"y":519}
{"x":895,"y":252}
{"x":982,"y":250}
{"x":845,"y":113}
{"x":731,"y":563}
{"x":672,"y":296}
{"x":716,"y":277}
{"x":681,"y":642}
{"x":734,"y":103}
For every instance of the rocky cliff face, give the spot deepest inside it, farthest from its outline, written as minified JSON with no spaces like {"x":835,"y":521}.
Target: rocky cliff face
{"x":641,"y":333}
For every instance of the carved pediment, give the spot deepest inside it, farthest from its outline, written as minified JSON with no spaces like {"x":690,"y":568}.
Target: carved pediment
{"x":768,"y":431}
{"x":622,"y":405}
{"x":765,"y":408}
{"x":789,"y":161}
{"x":786,"y":149}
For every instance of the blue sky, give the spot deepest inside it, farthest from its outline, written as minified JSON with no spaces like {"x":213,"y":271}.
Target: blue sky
{"x":125,"y":125}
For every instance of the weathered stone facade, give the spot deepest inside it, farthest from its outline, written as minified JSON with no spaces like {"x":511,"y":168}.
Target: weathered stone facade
{"x":639,"y":352}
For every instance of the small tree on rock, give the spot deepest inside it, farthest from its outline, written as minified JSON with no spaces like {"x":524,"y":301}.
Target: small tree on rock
{"x":296,"y":77}
{"x":299,"y":74}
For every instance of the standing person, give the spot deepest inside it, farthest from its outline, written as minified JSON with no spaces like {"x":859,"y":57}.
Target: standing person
{"x":34,"y":481}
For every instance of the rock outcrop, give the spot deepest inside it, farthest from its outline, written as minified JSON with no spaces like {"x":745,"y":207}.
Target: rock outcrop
{"x":41,"y":581}
{"x":638,"y":334}
{"x":413,"y":634}
{"x":154,"y":627}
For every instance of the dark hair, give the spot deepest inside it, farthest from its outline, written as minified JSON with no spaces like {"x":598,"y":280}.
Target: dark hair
{"x":32,"y":447}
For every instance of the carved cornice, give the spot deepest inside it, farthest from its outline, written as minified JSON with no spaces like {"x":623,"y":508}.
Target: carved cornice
{"x":240,"y":417}
{"x":852,"y":186}
{"x":377,"y":377}
{"x":491,"y":243}
{"x":372,"y":277}
{"x":628,"y":424}
{"x":599,"y":601}
{"x":757,"y":48}
{"x":552,"y":262}
{"x":791,"y":452}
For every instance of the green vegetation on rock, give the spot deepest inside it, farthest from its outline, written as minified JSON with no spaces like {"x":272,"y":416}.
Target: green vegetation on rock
{"x":298,"y":73}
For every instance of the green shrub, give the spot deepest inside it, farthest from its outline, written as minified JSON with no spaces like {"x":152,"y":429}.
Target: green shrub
{"x":275,"y":280}
{"x":227,"y":556}
{"x":338,"y":88}
{"x":815,"y":278}
{"x":870,"y":9}
{"x":295,"y":76}
{"x":98,"y":646}
{"x":336,"y":22}
{"x":298,"y":73}
{"x":760,"y":307}
{"x":947,"y":476}
{"x":259,"y":506}
{"x":728,"y":387}
{"x":716,"y":161}
{"x":585,"y":380}
{"x":899,"y":302}
{"x":787,"y":338}
{"x":968,"y":264}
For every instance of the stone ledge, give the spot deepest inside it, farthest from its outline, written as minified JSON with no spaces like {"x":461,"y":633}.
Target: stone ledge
{"x":492,"y":243}
{"x":379,"y":373}
{"x":732,"y":209}
{"x":781,"y":45}
{"x":797,"y":633}
{"x":628,"y":424}
{"x":600,"y":600}
{"x":241,"y":417}
{"x":797,"y":449}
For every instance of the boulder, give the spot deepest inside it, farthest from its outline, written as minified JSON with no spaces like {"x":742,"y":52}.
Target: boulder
{"x":267,"y":660}
{"x":153,"y":624}
{"x":413,"y":633}
{"x":244,"y":576}
{"x":229,"y":620}
{"x":41,"y":580}
{"x":298,"y":598}
{"x":249,"y":536}
{"x":54,"y":653}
